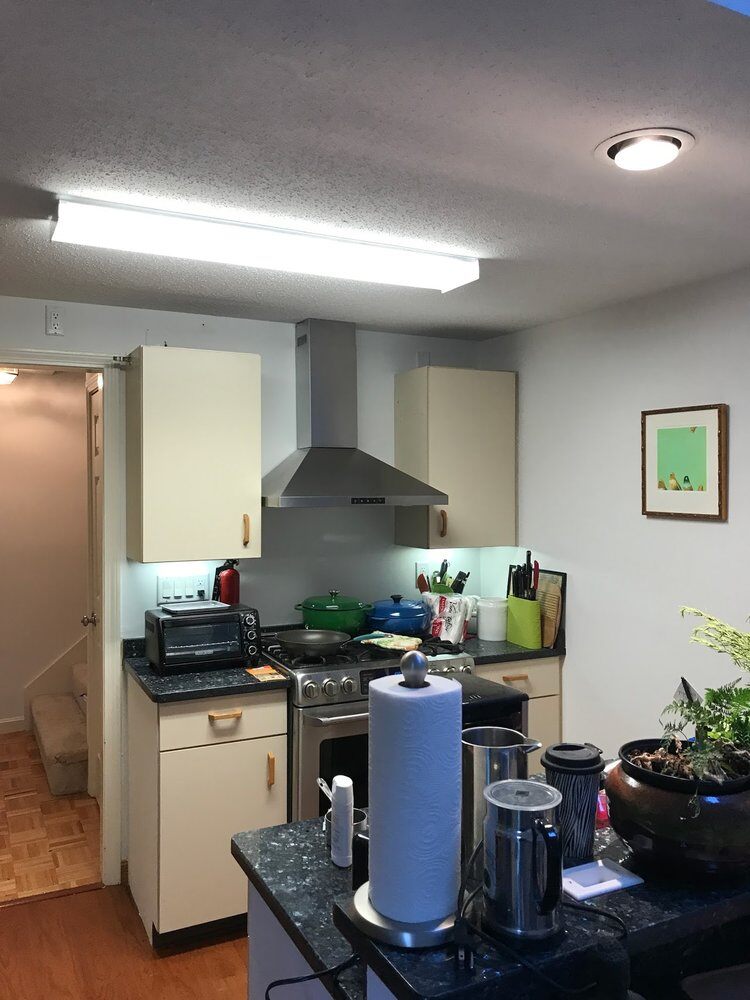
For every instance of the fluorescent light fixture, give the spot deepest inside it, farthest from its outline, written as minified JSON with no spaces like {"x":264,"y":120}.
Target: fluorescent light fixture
{"x":644,"y":148}
{"x":8,"y":375}
{"x":191,"y":237}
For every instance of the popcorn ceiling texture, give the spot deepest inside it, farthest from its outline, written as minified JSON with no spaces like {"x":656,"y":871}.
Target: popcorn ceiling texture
{"x":463,"y":126}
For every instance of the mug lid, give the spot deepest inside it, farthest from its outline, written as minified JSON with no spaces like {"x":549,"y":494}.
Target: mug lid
{"x":523,"y":796}
{"x":578,"y":758}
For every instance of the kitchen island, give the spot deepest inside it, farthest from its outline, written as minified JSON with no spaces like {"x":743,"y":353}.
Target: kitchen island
{"x":298,"y":922}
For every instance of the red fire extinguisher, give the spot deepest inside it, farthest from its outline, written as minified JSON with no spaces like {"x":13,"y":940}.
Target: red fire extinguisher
{"x":227,"y":583}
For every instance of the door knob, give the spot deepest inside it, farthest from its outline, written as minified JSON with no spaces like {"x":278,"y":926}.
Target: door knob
{"x":89,"y":621}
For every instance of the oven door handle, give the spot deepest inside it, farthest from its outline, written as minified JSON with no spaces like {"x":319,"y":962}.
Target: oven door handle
{"x":334,"y":720}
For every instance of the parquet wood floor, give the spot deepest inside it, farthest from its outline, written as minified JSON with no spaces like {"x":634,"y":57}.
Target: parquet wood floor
{"x":48,"y":843}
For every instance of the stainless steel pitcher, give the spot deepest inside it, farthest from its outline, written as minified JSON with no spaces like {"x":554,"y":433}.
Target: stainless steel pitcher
{"x":488,"y":754}
{"x":522,"y":859}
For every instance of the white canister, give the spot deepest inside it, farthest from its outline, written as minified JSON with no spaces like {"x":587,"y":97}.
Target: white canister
{"x":492,"y":615}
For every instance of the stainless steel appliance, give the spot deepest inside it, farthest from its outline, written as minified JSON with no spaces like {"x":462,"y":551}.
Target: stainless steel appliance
{"x":330,"y":718}
{"x":522,"y":860}
{"x":202,"y":638}
{"x":488,"y":754}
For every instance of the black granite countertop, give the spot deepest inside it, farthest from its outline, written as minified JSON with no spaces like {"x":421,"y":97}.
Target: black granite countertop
{"x":485,"y":651}
{"x":290,"y":867}
{"x":192,"y":686}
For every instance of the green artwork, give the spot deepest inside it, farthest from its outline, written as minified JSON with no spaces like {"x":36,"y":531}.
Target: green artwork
{"x":681,"y":458}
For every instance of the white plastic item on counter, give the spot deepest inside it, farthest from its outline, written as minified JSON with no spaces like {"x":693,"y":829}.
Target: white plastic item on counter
{"x":492,"y":618}
{"x":415,"y":798}
{"x":342,"y":820}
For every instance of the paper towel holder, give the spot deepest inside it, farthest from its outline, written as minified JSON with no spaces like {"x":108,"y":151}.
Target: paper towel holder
{"x":403,"y":935}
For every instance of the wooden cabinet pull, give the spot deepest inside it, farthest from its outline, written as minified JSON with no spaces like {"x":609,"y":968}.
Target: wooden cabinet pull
{"x":515,"y":677}
{"x":443,"y":523}
{"x":235,"y":713}
{"x":271,"y":770}
{"x":245,"y":530}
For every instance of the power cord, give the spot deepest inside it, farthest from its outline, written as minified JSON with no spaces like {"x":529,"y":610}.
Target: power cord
{"x":589,"y":908}
{"x":335,"y":971}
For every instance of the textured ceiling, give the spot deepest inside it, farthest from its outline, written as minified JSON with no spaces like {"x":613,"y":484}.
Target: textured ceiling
{"x":465,"y":125}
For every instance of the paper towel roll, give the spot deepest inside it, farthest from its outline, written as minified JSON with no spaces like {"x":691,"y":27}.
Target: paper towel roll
{"x":415,"y":798}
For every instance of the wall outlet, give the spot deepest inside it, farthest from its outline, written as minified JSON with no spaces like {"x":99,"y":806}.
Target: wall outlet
{"x":53,"y":325}
{"x":421,"y":567}
{"x":191,"y":587}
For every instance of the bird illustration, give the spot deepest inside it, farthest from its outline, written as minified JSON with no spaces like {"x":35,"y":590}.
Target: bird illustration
{"x":686,"y":484}
{"x":662,"y":484}
{"x":673,"y":484}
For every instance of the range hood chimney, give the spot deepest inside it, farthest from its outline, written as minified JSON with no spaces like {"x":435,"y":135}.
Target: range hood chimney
{"x":328,"y":469}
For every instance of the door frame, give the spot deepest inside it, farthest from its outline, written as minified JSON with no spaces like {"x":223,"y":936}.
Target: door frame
{"x":113,"y":560}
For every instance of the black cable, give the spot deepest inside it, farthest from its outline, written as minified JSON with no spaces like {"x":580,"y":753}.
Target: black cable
{"x":334,"y":971}
{"x":589,"y":908}
{"x":469,"y":899}
{"x":465,"y":878}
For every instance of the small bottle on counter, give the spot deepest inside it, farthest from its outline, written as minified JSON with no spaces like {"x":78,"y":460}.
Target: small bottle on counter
{"x":342,"y":820}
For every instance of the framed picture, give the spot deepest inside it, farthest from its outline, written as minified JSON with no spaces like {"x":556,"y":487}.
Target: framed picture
{"x":684,"y":462}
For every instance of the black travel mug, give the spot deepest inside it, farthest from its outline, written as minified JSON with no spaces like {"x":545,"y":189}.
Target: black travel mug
{"x":575,"y":769}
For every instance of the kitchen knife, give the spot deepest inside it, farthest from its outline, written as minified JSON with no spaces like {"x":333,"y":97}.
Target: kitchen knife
{"x":423,"y":584}
{"x":443,"y":570}
{"x":460,"y":582}
{"x":535,"y":583}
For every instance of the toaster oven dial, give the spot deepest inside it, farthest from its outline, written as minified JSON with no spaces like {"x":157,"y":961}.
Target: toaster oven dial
{"x":311,"y":690}
{"x":348,"y":686}
{"x":330,"y":687}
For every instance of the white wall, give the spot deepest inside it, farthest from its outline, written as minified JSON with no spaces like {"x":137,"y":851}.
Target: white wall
{"x":582,"y":385}
{"x":43,"y":528}
{"x":304,"y":552}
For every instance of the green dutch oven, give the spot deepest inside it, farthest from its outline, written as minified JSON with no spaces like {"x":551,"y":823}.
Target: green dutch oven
{"x":334,"y":613}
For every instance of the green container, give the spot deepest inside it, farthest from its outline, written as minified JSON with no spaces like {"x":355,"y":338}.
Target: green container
{"x":334,"y":612}
{"x":524,"y":623}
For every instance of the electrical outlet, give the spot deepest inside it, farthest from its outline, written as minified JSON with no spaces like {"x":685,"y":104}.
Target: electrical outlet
{"x":53,"y":321}
{"x":190,"y":587}
{"x":421,"y":567}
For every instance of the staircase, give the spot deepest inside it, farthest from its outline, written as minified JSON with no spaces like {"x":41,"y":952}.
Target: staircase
{"x":59,"y":724}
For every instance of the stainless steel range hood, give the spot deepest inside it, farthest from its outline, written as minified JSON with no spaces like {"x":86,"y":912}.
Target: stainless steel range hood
{"x":328,"y":469}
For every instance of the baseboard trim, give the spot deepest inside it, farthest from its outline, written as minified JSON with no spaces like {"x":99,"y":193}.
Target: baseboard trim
{"x":228,"y":928}
{"x":16,"y":725}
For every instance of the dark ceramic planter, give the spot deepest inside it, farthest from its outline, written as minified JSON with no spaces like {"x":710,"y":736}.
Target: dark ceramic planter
{"x":653,"y":814}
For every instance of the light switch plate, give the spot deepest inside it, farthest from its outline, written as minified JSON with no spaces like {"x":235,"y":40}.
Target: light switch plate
{"x":190,"y":587}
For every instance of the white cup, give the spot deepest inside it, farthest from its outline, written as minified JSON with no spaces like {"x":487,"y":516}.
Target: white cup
{"x":492,"y":615}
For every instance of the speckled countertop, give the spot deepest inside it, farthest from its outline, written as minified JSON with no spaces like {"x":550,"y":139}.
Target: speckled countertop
{"x":290,"y":868}
{"x":189,"y":687}
{"x":484,"y":651}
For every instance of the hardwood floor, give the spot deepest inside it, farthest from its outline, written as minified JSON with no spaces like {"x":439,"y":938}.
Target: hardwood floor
{"x":92,"y":946}
{"x":48,"y":843}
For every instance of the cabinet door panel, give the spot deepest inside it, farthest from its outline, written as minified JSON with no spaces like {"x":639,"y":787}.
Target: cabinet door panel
{"x":544,"y":725}
{"x":193,"y":455}
{"x":207,"y":795}
{"x":536,"y":678}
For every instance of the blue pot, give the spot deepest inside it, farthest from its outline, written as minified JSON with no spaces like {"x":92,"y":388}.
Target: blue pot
{"x":400,"y":617}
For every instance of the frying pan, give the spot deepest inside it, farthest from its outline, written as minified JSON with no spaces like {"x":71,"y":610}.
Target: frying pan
{"x":308,"y":641}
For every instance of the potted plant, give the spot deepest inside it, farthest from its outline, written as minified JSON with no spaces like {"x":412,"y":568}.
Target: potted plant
{"x":685,"y":798}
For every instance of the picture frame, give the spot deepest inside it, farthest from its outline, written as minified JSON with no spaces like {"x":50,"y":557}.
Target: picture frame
{"x":685,"y":462}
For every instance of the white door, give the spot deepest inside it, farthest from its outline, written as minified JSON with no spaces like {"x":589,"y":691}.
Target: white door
{"x":95,"y":703}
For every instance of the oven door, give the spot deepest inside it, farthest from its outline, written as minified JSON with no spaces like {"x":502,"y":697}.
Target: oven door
{"x":326,"y":742}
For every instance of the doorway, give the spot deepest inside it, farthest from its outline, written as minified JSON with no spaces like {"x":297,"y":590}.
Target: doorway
{"x":51,"y":699}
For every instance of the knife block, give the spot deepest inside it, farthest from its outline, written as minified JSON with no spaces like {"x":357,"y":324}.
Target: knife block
{"x":524,"y":623}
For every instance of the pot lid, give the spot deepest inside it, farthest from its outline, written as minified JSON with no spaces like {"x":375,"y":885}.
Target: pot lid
{"x":581,"y":758}
{"x":397,"y":607}
{"x":523,"y":796}
{"x":332,"y":601}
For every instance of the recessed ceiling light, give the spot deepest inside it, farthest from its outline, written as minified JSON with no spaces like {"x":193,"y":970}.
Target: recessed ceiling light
{"x":644,"y":148}
{"x":192,"y":237}
{"x":8,"y":375}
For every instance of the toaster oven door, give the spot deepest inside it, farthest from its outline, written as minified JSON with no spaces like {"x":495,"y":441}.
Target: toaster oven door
{"x":199,"y":642}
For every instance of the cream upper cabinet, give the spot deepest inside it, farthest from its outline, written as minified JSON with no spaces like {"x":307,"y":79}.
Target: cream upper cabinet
{"x":456,"y":430}
{"x":193,"y":455}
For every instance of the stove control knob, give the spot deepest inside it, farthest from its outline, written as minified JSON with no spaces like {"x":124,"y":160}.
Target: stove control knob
{"x":348,"y":686}
{"x":466,"y":669}
{"x":330,"y":687}
{"x":311,"y":690}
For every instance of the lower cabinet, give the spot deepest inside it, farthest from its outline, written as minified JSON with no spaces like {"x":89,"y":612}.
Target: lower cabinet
{"x":199,"y":772}
{"x":541,"y":680}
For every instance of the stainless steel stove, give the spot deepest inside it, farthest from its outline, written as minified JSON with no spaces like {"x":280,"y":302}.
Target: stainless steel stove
{"x":330,"y":713}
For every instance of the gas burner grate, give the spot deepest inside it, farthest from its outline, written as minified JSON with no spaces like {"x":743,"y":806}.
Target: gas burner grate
{"x":334,"y":660}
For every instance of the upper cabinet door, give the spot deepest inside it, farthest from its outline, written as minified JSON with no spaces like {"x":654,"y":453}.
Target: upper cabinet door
{"x":456,"y":430}
{"x":193,"y":455}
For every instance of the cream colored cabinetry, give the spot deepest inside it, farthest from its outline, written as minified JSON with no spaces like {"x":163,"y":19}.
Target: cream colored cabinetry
{"x":193,"y":455}
{"x":541,"y":680}
{"x":199,"y":772}
{"x":455,"y":429}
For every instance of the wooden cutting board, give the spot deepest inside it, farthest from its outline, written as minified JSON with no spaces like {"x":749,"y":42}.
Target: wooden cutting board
{"x":549,"y":597}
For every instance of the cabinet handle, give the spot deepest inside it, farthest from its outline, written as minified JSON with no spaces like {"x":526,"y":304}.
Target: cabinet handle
{"x":245,"y":530}
{"x":515,"y":677}
{"x":235,"y":713}
{"x":443,"y":523}
{"x":271,"y":770}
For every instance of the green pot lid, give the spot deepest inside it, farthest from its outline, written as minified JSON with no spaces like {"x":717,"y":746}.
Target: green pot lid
{"x":332,"y":601}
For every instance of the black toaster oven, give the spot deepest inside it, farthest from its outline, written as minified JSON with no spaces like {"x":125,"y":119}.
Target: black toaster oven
{"x":202,"y":640}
